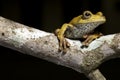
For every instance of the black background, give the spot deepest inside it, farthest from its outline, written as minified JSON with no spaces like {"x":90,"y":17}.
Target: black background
{"x":48,"y":15}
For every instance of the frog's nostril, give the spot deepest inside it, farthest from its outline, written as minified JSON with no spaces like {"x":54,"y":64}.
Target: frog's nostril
{"x":99,"y":13}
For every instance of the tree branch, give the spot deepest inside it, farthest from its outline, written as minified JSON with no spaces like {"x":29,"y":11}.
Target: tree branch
{"x":44,"y":45}
{"x":96,"y":75}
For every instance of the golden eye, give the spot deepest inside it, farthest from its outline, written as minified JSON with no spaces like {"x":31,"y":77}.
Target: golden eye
{"x":87,"y":14}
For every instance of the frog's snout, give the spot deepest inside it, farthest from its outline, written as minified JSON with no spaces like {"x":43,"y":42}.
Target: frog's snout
{"x":101,"y":16}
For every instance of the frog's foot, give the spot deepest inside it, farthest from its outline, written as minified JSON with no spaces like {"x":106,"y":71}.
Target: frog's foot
{"x":63,"y":43}
{"x":89,"y":39}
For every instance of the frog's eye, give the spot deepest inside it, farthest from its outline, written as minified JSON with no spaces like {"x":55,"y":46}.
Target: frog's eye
{"x":87,"y":14}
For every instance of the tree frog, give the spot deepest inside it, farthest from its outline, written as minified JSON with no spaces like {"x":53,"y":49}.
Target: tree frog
{"x":81,"y":26}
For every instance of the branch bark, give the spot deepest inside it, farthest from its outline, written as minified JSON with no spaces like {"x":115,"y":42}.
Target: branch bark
{"x":44,"y":45}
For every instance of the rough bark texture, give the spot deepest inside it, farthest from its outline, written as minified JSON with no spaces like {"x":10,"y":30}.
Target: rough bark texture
{"x":44,"y":45}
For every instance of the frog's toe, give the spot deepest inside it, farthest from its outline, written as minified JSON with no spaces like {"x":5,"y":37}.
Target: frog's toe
{"x":84,"y":46}
{"x":67,"y":44}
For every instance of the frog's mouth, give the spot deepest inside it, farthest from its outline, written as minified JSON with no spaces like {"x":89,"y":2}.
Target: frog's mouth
{"x":99,"y":20}
{"x":102,"y":19}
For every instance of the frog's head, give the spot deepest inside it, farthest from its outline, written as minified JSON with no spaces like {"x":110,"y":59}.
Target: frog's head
{"x":88,"y":17}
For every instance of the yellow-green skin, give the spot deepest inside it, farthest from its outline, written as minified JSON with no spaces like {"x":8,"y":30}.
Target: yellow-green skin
{"x":83,"y":26}
{"x":79,"y":27}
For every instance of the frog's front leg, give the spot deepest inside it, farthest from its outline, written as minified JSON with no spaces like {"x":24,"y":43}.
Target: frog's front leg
{"x":63,"y":44}
{"x":90,"y":38}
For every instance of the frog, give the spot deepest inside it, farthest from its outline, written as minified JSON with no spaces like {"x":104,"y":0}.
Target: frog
{"x":83,"y":27}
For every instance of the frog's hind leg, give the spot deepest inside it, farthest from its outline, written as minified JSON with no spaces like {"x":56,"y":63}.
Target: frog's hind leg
{"x":90,"y":38}
{"x":63,"y":44}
